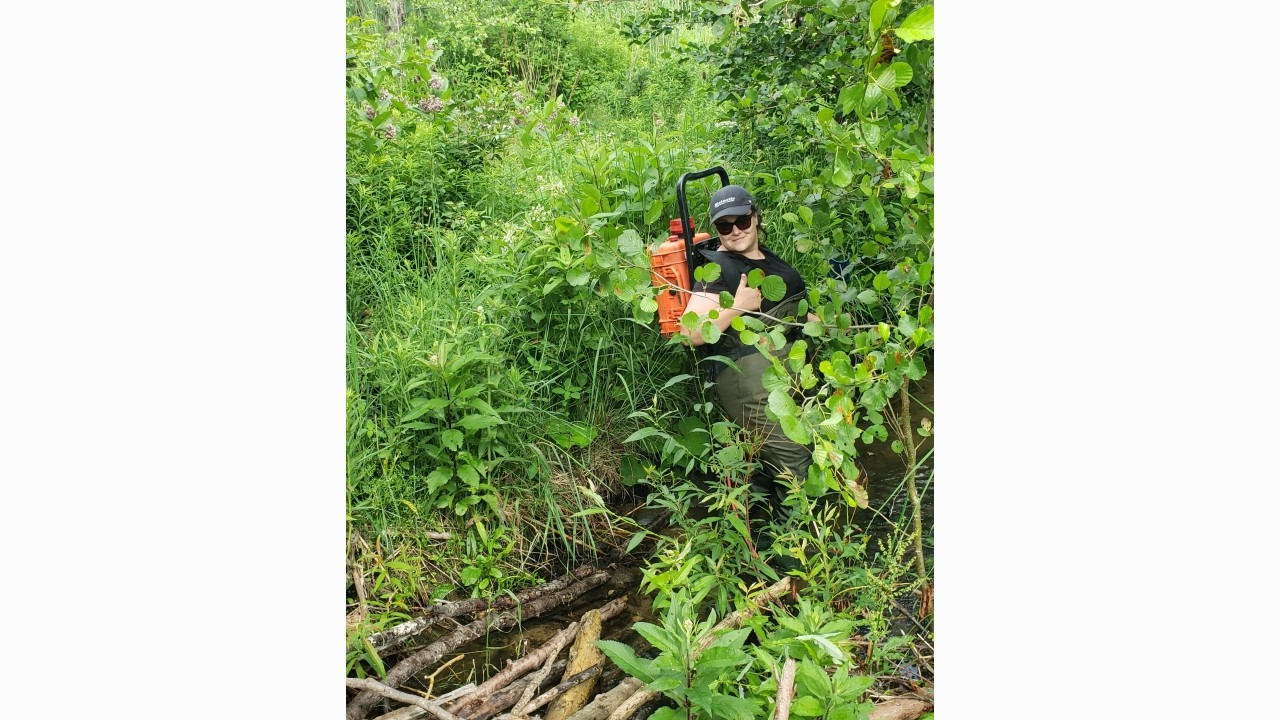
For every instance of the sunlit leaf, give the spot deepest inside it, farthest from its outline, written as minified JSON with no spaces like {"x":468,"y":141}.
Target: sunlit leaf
{"x":917,"y":26}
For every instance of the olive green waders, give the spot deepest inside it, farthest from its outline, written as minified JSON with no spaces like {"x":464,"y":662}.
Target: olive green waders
{"x":743,"y":400}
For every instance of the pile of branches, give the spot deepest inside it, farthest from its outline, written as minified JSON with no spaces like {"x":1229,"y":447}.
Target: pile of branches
{"x":542,"y":681}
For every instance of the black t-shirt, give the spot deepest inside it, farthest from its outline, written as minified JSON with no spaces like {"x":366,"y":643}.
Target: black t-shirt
{"x":771,"y":265}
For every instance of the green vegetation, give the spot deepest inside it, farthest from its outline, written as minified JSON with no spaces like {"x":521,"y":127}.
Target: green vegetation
{"x":508,"y":165}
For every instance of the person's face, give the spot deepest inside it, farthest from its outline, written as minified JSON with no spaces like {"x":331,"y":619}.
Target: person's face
{"x":737,"y":238}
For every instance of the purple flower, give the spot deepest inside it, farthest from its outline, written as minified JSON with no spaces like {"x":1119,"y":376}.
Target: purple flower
{"x":574,"y":121}
{"x":369,"y":112}
{"x":517,"y":96}
{"x":383,"y":94}
{"x":436,"y":83}
{"x":431,"y":104}
{"x":390,"y":132}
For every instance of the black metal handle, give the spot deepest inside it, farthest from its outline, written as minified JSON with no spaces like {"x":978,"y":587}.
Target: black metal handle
{"x":684,"y":209}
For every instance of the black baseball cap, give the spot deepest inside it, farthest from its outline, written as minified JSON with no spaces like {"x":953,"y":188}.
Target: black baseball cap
{"x":731,"y":200}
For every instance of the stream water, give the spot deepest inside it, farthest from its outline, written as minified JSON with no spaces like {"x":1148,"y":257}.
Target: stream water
{"x":885,"y":470}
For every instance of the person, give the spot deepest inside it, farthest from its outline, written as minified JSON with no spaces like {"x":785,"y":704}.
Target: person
{"x":736,"y":217}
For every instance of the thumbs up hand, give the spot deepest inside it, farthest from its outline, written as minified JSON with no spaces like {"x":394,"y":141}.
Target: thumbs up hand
{"x":747,"y":297}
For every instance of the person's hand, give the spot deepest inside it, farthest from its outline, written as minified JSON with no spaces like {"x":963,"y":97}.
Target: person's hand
{"x":747,"y":297}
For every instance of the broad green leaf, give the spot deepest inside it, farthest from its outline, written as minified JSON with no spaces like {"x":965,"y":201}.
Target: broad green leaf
{"x":775,"y":378}
{"x":658,"y":636}
{"x":469,"y":475}
{"x":710,"y":333}
{"x":814,"y":329}
{"x":881,"y":282}
{"x":654,"y":212}
{"x":754,"y":277}
{"x":806,"y":214}
{"x":878,"y":9}
{"x":926,"y":272}
{"x":916,"y":369}
{"x":842,"y":173}
{"x":748,"y":337}
{"x":578,"y":276}
{"x":811,"y":680}
{"x":689,"y":320}
{"x":901,"y":73}
{"x":625,"y":658}
{"x":665,"y":683}
{"x":710,"y":272}
{"x":726,"y":300}
{"x":781,"y":404}
{"x":917,"y":26}
{"x":868,"y":297}
{"x":629,"y":242}
{"x":773,"y":288}
{"x":480,"y":422}
{"x":437,"y":479}
{"x":807,"y":706}
{"x":451,"y":439}
{"x":648,"y":304}
{"x":795,"y":430}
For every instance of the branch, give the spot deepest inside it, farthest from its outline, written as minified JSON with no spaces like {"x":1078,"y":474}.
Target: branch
{"x":376,"y":687}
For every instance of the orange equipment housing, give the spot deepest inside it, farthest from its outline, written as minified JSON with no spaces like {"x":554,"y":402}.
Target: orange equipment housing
{"x":669,"y":265}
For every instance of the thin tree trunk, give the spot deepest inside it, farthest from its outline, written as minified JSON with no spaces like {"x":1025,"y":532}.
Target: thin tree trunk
{"x":786,"y":688}
{"x":494,"y":619}
{"x":909,"y":442}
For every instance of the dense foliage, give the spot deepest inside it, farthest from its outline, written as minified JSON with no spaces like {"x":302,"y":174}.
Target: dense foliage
{"x":508,"y":166}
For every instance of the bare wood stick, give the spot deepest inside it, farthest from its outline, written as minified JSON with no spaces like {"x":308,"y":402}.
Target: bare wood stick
{"x":730,"y":621}
{"x":573,"y":682}
{"x":494,"y":619}
{"x":410,"y":712}
{"x":505,"y":697}
{"x":786,"y":688}
{"x":535,"y":681}
{"x":376,"y":687}
{"x":899,"y":709}
{"x":543,"y":655}
{"x":431,"y":679}
{"x":605,"y":703}
{"x":398,"y":634}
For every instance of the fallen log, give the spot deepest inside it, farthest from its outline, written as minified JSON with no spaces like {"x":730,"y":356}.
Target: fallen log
{"x":899,"y":709}
{"x":526,"y":664}
{"x":786,"y":688}
{"x":400,"y":633}
{"x":374,"y":686}
{"x":501,"y":620}
{"x":605,"y":703}
{"x":730,"y":621}
{"x":583,"y":655}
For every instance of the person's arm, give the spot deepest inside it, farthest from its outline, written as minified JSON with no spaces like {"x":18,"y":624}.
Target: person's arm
{"x":746,"y":298}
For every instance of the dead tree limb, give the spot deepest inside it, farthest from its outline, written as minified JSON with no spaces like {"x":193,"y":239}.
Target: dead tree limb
{"x":605,"y":703}
{"x":583,"y":655}
{"x":899,"y":709}
{"x":410,"y":712}
{"x":374,"y":686}
{"x":573,"y":682}
{"x":730,"y":621}
{"x":786,"y":688}
{"x":505,"y":697}
{"x":493,"y":620}
{"x":395,"y":635}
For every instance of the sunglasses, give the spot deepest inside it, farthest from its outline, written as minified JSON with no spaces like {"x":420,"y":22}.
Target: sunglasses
{"x":724,"y":227}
